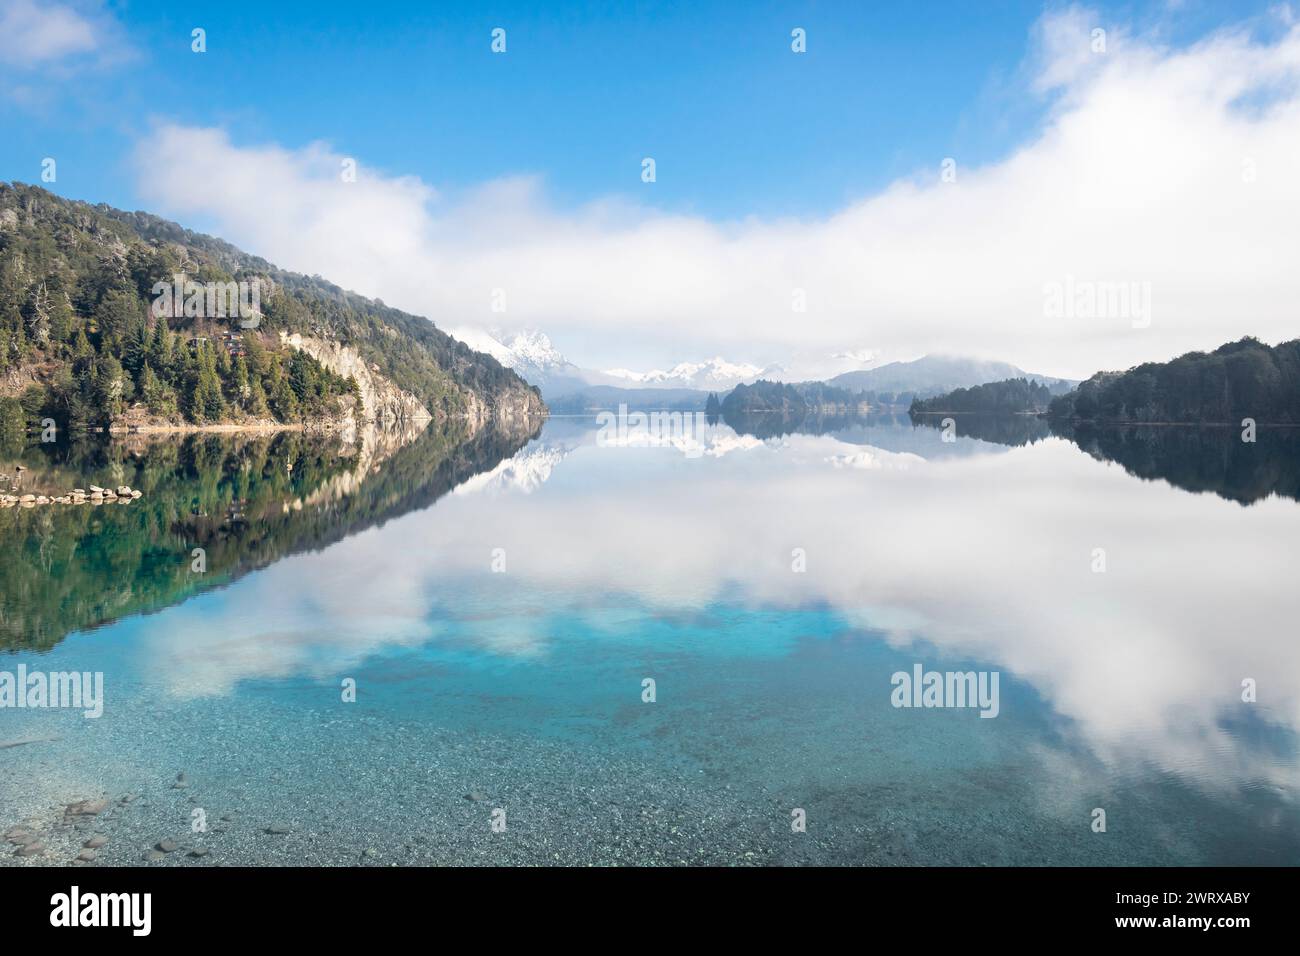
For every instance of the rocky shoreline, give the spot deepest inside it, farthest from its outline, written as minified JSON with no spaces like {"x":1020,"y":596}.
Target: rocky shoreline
{"x":231,"y":427}
{"x":123,"y":494}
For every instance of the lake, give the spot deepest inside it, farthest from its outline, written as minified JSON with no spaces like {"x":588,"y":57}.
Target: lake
{"x":578,"y":647}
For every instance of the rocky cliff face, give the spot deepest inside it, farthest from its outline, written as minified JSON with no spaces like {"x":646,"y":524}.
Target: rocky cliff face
{"x":383,"y":402}
{"x":369,"y":446}
{"x":514,"y":410}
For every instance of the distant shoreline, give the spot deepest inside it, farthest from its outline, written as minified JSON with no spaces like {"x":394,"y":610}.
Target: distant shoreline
{"x":1117,"y":423}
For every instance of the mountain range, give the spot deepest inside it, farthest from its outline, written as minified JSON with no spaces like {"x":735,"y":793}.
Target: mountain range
{"x":531,"y":354}
{"x":572,"y":388}
{"x":939,"y":374}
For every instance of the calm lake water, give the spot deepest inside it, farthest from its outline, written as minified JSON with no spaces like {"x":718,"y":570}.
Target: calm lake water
{"x":500,"y":603}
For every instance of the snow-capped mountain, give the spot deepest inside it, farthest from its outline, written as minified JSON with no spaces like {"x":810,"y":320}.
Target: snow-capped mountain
{"x":525,"y":472}
{"x":530,"y":354}
{"x":715,"y":374}
{"x":533,"y":356}
{"x":533,"y":349}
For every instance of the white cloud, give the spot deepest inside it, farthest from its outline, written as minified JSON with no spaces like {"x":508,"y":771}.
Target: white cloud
{"x":40,"y":35}
{"x":1068,"y":45}
{"x":1174,"y":167}
{"x":1145,"y":661}
{"x":862,"y":357}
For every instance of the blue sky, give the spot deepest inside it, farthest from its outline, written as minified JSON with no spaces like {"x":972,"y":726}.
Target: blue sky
{"x":737,"y":124}
{"x":777,"y":173}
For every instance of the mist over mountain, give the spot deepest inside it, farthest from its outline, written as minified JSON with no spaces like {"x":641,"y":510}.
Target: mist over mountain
{"x":533,"y":356}
{"x":939,"y":374}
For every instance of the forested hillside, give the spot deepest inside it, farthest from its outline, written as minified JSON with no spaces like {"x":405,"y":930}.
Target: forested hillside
{"x":1245,"y":379}
{"x":1014,"y":396}
{"x":83,"y":338}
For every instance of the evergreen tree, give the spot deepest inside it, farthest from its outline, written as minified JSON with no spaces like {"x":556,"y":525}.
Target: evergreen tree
{"x":116,"y":316}
{"x":240,"y":388}
{"x":136,"y":349}
{"x":81,"y":347}
{"x":111,"y":389}
{"x":157,"y":396}
{"x":257,"y":406}
{"x":284,"y":403}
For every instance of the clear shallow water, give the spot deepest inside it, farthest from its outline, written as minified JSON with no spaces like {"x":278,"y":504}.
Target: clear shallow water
{"x":523,"y":689}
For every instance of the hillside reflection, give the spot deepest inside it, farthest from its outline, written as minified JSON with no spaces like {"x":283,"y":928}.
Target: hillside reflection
{"x":245,"y":500}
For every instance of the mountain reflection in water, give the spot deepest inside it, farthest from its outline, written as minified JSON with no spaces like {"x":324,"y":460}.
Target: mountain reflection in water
{"x":672,"y":560}
{"x":1194,"y":458}
{"x":245,"y":499}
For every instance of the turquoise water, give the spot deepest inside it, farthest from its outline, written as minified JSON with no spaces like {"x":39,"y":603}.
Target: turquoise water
{"x":521,"y":690}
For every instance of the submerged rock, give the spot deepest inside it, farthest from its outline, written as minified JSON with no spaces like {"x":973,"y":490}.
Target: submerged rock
{"x":86,"y":808}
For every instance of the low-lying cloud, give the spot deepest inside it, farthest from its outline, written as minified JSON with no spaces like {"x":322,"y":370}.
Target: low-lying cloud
{"x":1173,"y":169}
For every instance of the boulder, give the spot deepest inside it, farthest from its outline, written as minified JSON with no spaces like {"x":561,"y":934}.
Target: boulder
{"x":86,"y":808}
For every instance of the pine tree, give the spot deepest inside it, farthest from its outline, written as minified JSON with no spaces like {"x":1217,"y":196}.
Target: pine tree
{"x":161,"y":348}
{"x":116,"y":316}
{"x":159,"y":399}
{"x":284,"y":403}
{"x":257,"y":406}
{"x":110,"y":387}
{"x":81,"y":347}
{"x":209,"y":405}
{"x":135,"y":351}
{"x":240,"y":388}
